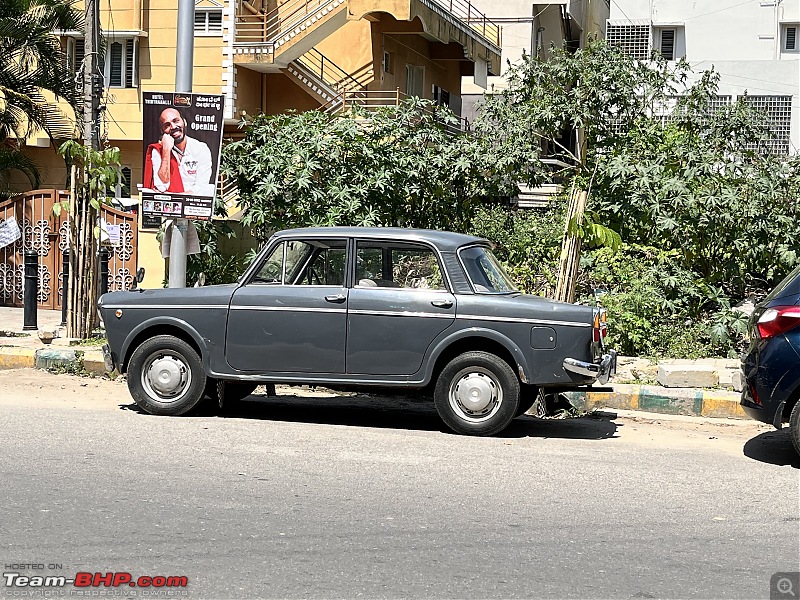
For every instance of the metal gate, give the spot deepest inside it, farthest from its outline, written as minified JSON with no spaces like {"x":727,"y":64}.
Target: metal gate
{"x":48,"y":234}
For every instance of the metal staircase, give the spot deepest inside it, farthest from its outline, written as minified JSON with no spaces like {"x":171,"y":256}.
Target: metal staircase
{"x":324,"y":79}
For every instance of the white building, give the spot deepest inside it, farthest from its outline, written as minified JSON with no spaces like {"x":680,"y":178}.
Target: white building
{"x":753,"y":45}
{"x":531,"y":28}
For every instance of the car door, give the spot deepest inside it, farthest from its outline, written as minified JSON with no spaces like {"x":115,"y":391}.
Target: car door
{"x":398,"y":305}
{"x":291,"y":317}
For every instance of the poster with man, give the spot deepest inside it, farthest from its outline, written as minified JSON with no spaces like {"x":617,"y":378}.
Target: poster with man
{"x":182,"y":142}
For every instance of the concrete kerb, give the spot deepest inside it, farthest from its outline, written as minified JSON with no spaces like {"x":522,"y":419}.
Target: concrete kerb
{"x":656,"y":399}
{"x":60,"y":359}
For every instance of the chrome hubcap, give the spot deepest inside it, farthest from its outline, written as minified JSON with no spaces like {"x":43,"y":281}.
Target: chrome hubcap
{"x":166,"y":377}
{"x":475,"y":394}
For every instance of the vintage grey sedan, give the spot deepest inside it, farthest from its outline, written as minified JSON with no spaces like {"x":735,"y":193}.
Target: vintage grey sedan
{"x":352,"y":307}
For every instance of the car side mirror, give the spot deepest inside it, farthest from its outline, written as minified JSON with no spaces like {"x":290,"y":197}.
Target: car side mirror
{"x":139,"y":278}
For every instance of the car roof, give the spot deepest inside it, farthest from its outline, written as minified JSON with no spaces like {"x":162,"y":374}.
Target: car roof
{"x":445,"y":241}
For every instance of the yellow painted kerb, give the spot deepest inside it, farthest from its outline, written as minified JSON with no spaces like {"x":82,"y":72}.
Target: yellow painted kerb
{"x":624,"y":401}
{"x":17,"y":358}
{"x":719,"y":405}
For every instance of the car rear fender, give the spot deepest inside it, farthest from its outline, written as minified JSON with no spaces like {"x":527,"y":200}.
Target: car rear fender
{"x":463,"y":337}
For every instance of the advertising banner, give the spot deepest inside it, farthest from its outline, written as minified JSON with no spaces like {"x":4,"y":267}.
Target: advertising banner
{"x":182,"y":143}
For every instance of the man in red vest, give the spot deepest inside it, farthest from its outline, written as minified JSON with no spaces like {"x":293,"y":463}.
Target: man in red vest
{"x":177,"y":164}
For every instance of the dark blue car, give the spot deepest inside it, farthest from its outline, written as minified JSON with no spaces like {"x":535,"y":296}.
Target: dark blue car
{"x":772,"y":362}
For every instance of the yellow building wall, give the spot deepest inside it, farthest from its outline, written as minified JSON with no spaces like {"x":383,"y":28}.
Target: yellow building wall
{"x":413,"y":50}
{"x":249,"y":92}
{"x":284,"y":94}
{"x":350,"y":47}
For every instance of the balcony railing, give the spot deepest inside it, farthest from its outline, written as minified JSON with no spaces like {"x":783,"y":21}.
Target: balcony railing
{"x":269,"y":27}
{"x":478,"y":21}
{"x":375,"y":99}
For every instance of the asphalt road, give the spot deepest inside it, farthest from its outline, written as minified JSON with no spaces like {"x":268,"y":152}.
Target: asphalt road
{"x":342,"y":497}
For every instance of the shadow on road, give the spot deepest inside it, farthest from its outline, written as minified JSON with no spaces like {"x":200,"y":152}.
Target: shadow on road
{"x":773,"y":447}
{"x":391,"y":412}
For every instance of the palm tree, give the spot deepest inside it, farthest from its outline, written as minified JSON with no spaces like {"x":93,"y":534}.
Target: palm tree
{"x":33,"y":63}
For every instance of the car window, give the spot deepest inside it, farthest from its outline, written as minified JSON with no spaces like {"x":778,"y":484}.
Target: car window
{"x":485,"y":272}
{"x":284,"y":263}
{"x":272,"y":269}
{"x":324,"y":264}
{"x":397,"y":266}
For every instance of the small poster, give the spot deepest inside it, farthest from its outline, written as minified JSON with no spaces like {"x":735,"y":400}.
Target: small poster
{"x":182,"y":146}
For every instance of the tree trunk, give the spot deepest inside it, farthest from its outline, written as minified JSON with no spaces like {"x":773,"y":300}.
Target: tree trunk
{"x":83,"y":284}
{"x":571,"y":248}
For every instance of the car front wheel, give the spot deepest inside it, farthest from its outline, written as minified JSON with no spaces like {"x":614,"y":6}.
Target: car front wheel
{"x":165,"y":376}
{"x":477,"y":393}
{"x":794,"y":426}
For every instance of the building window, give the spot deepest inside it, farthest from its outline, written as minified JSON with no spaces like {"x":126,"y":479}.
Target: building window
{"x":415,"y":77}
{"x":124,"y":186}
{"x":778,"y":111}
{"x":208,"y":22}
{"x":75,"y":54}
{"x":667,"y":43}
{"x":630,"y":37}
{"x":121,"y":64}
{"x":387,"y":63}
{"x":789,"y":38}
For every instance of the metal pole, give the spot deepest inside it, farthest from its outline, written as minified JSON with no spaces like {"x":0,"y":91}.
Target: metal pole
{"x":64,"y":286}
{"x":103,"y":271}
{"x":184,"y":65}
{"x":92,"y":80}
{"x":31,"y":289}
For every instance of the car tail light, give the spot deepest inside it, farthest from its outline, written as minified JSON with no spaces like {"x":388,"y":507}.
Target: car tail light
{"x":600,"y":324}
{"x":753,"y":393}
{"x":777,"y":320}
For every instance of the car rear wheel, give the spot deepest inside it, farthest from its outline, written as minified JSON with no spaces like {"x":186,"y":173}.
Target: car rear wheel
{"x":794,"y":426}
{"x":477,"y":393}
{"x":165,"y":376}
{"x":528,"y":395}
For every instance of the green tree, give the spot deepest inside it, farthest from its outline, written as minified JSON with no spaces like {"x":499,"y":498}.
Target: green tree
{"x":93,"y":172}
{"x":394,"y":166}
{"x":709,"y":215}
{"x":32,"y":64}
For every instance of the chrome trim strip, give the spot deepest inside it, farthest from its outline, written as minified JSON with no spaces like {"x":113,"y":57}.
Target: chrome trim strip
{"x":522,"y":320}
{"x":397,"y":313}
{"x":290,"y":309}
{"x":164,"y":306}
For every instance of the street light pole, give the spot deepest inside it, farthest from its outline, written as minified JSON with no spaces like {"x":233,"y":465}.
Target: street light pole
{"x":184,"y":65}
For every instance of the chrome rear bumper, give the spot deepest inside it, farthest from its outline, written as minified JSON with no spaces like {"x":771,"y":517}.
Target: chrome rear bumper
{"x":600,"y":371}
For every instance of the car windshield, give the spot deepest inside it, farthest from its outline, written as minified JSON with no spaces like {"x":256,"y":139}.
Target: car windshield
{"x":790,"y":285}
{"x":485,"y":272}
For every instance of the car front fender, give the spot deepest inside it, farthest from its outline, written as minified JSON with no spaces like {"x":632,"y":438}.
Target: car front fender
{"x":160,"y":323}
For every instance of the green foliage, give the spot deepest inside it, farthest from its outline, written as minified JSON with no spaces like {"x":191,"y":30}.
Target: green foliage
{"x":31,"y":63}
{"x":100,"y":169}
{"x":395,"y":166}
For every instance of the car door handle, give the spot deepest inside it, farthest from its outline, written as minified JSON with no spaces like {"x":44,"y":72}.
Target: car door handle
{"x":442,"y":303}
{"x":337,"y":298}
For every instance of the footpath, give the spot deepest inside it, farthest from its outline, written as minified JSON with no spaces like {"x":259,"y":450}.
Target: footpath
{"x":705,"y":387}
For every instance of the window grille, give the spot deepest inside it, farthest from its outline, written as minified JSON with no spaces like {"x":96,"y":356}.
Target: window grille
{"x":778,"y":111}
{"x":668,"y":44}
{"x":790,"y":38}
{"x":631,"y":38}
{"x":208,"y":21}
{"x":115,"y":76}
{"x":120,"y":66}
